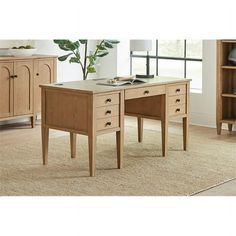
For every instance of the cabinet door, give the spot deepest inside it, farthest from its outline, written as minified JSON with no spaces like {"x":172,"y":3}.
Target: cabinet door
{"x":6,"y":89}
{"x":43,"y":74}
{"x":23,"y":87}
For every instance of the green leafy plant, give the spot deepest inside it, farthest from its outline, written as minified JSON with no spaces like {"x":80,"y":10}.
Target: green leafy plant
{"x":74,"y":54}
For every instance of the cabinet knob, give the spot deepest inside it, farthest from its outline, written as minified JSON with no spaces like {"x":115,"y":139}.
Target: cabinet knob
{"x":37,"y":74}
{"x":12,"y":76}
{"x":108,"y":124}
{"x":108,"y":112}
{"x":108,"y":100}
{"x":146,"y":92}
{"x":177,"y":100}
{"x":177,"y":110}
{"x":177,"y":90}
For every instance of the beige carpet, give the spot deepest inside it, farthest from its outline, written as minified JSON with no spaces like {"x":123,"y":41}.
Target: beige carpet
{"x":210,"y":160}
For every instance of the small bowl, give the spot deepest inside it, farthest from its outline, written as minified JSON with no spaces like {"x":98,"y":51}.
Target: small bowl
{"x":22,"y":52}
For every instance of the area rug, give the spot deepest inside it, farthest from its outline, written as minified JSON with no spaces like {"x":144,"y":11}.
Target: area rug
{"x":210,"y":160}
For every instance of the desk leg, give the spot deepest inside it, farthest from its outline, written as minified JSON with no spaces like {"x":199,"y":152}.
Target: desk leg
{"x":164,"y":125}
{"x":119,"y":148}
{"x":164,"y":136}
{"x":45,"y":135}
{"x":92,"y":153}
{"x":185,"y":132}
{"x":73,"y":144}
{"x":140,"y":129}
{"x":32,"y":120}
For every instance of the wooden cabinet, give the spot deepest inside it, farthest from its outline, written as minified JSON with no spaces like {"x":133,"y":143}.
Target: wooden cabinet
{"x":20,"y":77}
{"x":226,"y":86}
{"x":44,"y":73}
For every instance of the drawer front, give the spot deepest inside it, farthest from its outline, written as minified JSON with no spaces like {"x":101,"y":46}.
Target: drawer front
{"x":144,"y":92}
{"x":107,"y":111}
{"x":177,"y":100}
{"x":108,"y":123}
{"x":177,"y":89}
{"x":177,"y":110}
{"x":107,"y":100}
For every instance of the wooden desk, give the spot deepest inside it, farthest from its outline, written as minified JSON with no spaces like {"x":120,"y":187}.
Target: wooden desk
{"x":84,"y":107}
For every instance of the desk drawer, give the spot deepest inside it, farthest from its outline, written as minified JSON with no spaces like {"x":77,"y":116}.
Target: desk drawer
{"x":177,"y":110}
{"x":107,"y":100}
{"x":108,"y":123}
{"x":177,"y":89}
{"x":144,"y":92}
{"x":177,"y":100}
{"x":107,"y":111}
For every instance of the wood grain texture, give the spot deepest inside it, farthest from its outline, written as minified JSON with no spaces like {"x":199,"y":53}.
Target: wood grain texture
{"x":19,"y":91}
{"x":78,"y":111}
{"x":140,"y":129}
{"x":6,"y":89}
{"x":144,"y":92}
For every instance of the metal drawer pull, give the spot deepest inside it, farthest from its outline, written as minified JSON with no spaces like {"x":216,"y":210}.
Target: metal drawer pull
{"x":37,"y":74}
{"x":146,"y":92}
{"x":177,"y":100}
{"x":108,"y":100}
{"x":108,"y":124}
{"x":177,"y":90}
{"x":13,"y":76}
{"x":177,"y":110}
{"x":108,"y":112}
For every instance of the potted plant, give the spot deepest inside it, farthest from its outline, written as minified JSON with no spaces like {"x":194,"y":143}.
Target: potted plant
{"x":89,"y":61}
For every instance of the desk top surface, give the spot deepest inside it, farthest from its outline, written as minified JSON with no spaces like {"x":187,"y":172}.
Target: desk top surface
{"x":92,"y":86}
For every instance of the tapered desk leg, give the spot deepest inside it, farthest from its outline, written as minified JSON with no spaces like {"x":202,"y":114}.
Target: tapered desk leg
{"x":230,"y":127}
{"x":185,"y":132}
{"x":140,"y":129}
{"x":32,"y":120}
{"x":164,"y":135}
{"x":92,"y":154}
{"x":164,"y":125}
{"x":45,"y":135}
{"x":119,"y":148}
{"x":219,"y":126}
{"x":73,"y":144}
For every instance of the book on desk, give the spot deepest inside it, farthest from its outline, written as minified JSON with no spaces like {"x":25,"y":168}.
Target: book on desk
{"x":122,"y":80}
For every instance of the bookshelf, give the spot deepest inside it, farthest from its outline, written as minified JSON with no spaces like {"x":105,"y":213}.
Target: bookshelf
{"x":226,"y":84}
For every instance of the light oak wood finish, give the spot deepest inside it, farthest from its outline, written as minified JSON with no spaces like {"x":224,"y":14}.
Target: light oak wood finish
{"x":20,"y":78}
{"x":43,"y":74}
{"x":140,"y":129}
{"x":226,"y":84}
{"x":73,"y":145}
{"x":6,"y":89}
{"x":81,"y":108}
{"x":107,"y":111}
{"x":144,"y":92}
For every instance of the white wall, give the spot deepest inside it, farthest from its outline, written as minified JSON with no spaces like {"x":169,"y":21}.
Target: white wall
{"x":203,"y":105}
{"x":117,"y":62}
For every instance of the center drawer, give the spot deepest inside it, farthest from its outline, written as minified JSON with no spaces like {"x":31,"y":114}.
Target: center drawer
{"x":107,"y":111}
{"x":144,"y":92}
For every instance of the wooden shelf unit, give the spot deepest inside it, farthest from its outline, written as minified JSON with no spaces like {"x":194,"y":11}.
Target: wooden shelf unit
{"x":226,"y":84}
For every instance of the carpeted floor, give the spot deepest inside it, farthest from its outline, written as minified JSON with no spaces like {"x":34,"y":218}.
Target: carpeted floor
{"x":211,"y":160}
